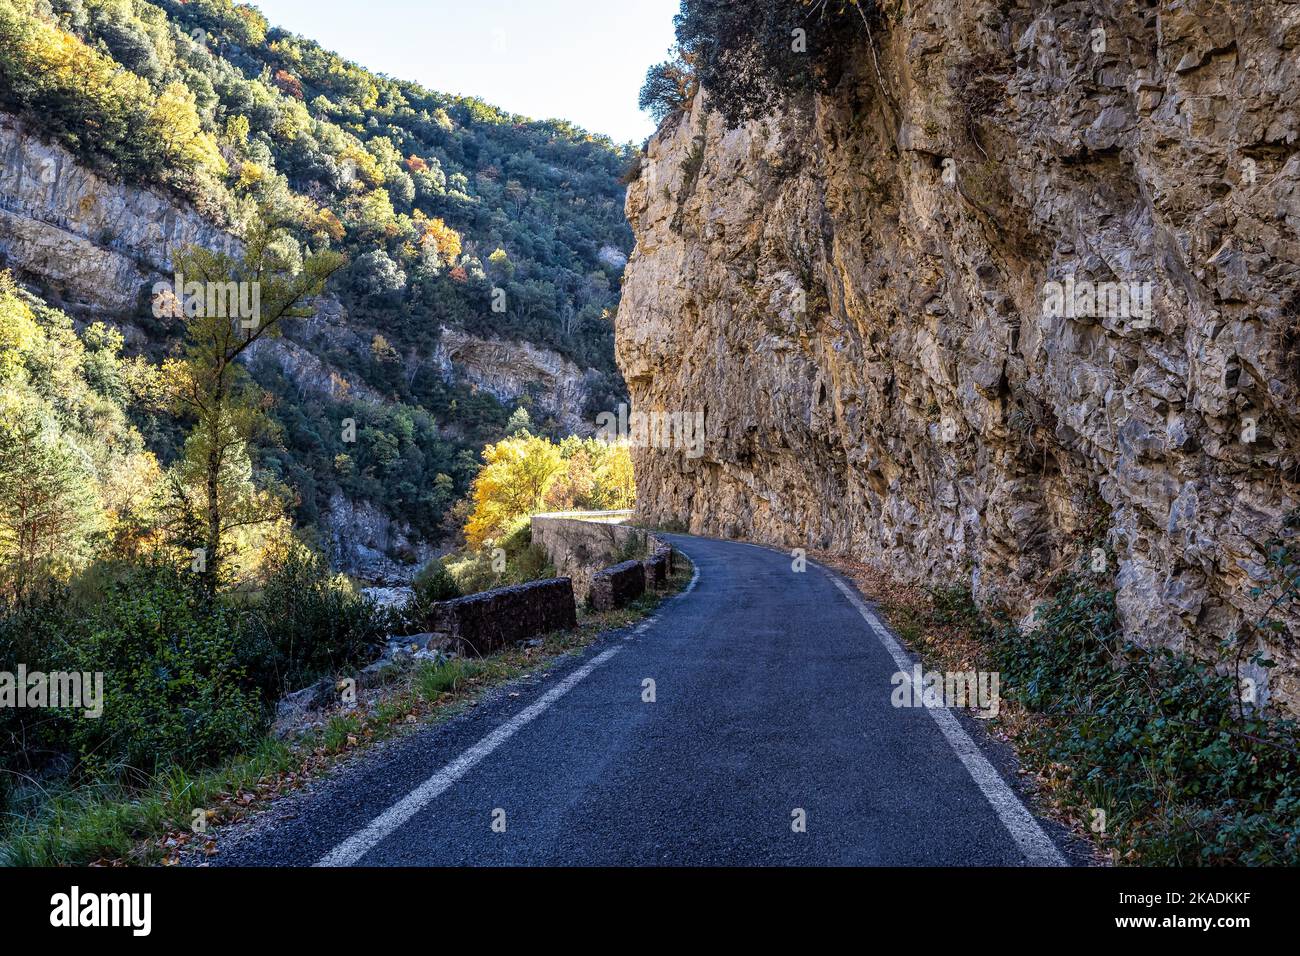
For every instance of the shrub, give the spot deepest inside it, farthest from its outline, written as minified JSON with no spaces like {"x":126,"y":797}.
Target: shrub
{"x":1155,"y":739}
{"x":175,"y":689}
{"x":748,"y":56}
{"x":634,"y":547}
{"x":512,"y":559}
{"x":435,"y":583}
{"x":27,"y":739}
{"x":530,"y":564}
{"x":308,"y":623}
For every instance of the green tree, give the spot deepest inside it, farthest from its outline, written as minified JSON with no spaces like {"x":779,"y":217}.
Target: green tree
{"x":213,"y":389}
{"x":47,"y":499}
{"x":519,"y":421}
{"x":669,"y":86}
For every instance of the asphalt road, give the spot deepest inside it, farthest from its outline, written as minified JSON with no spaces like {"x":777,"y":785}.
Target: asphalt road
{"x":771,"y":705}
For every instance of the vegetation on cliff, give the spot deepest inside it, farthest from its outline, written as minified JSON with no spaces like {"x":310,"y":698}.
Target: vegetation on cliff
{"x":436,"y":199}
{"x":751,"y":55}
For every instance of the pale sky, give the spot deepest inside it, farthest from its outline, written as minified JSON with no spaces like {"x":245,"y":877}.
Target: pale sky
{"x":580,"y":60}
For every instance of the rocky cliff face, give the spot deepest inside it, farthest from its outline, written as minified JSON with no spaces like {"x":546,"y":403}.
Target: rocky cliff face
{"x":94,"y":243}
{"x":510,"y":369}
{"x":366,"y":543}
{"x":877,"y":298}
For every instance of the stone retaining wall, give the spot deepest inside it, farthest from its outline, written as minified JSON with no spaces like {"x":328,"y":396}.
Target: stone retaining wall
{"x":659,"y":567}
{"x":578,"y":547}
{"x":493,"y":620}
{"x":617,"y":586}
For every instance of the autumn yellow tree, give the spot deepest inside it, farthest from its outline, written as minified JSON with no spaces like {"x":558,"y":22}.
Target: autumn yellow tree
{"x":597,"y":476}
{"x":615,"y":478}
{"x":516,"y":475}
{"x":175,"y":119}
{"x":575,"y":485}
{"x":524,"y":474}
{"x":438,"y":236}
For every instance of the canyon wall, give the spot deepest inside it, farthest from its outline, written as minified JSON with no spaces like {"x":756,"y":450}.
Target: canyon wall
{"x":93,"y":243}
{"x":858,"y":292}
{"x":96,"y":246}
{"x":510,"y":369}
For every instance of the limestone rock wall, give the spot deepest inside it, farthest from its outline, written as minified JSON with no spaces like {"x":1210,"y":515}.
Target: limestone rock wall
{"x":510,"y":369}
{"x":579,"y":548}
{"x":367,"y":542}
{"x":96,"y":243}
{"x":853,"y":292}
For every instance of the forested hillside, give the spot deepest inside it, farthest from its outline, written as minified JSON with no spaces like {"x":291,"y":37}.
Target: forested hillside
{"x":437,"y":202}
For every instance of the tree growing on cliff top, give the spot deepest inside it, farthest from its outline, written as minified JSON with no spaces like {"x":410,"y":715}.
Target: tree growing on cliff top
{"x":750,"y":54}
{"x":214,"y":494}
{"x":670,"y":86}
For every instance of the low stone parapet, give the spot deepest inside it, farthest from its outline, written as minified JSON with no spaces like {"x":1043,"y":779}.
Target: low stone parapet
{"x":659,"y":568}
{"x":487,"y":622}
{"x":579,"y":544}
{"x":617,"y":586}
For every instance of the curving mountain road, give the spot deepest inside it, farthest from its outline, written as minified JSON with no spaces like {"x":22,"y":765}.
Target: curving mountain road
{"x":771,"y":696}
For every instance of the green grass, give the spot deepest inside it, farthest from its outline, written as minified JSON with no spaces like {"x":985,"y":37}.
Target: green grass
{"x":108,"y":821}
{"x":338,"y":730}
{"x":434,"y":679}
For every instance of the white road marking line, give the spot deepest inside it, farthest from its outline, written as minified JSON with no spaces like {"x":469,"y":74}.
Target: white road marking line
{"x":694,"y":578}
{"x":1020,"y":823}
{"x":360,"y":843}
